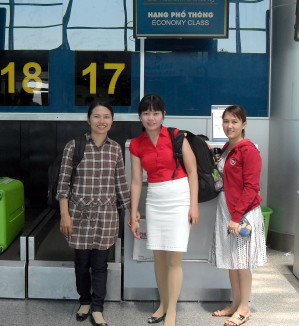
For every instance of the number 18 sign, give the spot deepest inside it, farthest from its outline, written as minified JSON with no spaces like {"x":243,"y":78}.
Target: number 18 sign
{"x":24,"y":78}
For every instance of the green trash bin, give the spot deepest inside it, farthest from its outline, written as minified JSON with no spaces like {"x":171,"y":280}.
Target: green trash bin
{"x":266,"y":211}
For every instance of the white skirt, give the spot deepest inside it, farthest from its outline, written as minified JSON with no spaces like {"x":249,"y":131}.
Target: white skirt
{"x":167,"y":209}
{"x":229,"y":251}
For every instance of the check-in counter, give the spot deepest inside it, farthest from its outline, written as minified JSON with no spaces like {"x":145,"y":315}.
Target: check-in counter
{"x":40,"y":264}
{"x":51,"y":272}
{"x":201,"y":282}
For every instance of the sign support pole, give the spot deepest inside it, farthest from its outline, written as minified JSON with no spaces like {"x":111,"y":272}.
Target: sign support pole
{"x":142,"y":66}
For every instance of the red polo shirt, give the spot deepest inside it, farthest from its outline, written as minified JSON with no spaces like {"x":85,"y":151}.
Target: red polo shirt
{"x":157,"y":161}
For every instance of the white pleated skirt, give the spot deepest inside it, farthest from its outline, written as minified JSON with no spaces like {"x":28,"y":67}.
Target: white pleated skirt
{"x":167,"y":209}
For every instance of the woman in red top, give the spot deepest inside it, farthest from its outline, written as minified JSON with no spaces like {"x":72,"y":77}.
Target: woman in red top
{"x":238,"y":203}
{"x":171,"y":203}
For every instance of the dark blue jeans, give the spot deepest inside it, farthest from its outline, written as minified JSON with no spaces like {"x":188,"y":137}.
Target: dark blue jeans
{"x":91,"y":277}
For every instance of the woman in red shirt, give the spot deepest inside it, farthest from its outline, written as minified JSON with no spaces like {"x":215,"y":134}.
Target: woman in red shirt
{"x":238,"y":203}
{"x":171,"y":203}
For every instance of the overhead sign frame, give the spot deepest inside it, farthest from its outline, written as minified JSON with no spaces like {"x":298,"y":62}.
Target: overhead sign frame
{"x":181,"y":19}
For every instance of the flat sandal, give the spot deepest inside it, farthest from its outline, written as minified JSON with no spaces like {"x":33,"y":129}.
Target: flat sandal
{"x":243,"y":319}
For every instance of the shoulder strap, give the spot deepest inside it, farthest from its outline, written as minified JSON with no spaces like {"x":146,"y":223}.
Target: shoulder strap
{"x":177,"y":143}
{"x":79,"y":149}
{"x":171,"y":132}
{"x":80,"y":143}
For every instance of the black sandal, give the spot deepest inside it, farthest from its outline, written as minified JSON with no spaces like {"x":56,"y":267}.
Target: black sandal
{"x":155,"y":320}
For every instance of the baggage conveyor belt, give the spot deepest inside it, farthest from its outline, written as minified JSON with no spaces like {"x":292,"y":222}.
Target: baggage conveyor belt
{"x":39,"y":263}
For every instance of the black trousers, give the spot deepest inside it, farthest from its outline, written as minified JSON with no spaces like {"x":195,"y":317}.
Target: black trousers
{"x":91,"y":277}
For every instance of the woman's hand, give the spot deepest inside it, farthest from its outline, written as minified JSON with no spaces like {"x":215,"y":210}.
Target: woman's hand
{"x":133,"y":223}
{"x":135,"y":229}
{"x":233,"y":227}
{"x":138,"y":217}
{"x":66,"y":225}
{"x":193,"y":215}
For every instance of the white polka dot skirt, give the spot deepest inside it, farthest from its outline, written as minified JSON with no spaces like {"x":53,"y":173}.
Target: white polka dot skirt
{"x":229,"y":251}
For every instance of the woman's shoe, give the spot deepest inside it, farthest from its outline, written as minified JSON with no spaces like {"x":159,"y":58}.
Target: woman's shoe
{"x":81,"y":316}
{"x":155,"y":320}
{"x":236,"y":320}
{"x":94,"y":322}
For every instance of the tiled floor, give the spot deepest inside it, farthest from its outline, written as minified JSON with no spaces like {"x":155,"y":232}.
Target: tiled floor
{"x":275,"y":301}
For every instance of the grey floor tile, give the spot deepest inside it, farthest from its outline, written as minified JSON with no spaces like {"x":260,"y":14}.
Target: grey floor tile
{"x":127,"y":313}
{"x":35,"y":312}
{"x":274,"y":301}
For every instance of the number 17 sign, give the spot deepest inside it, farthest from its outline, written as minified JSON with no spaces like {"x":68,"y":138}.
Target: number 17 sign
{"x":105,"y":75}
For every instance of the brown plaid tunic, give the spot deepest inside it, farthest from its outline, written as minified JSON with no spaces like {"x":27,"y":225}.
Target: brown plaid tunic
{"x":99,"y":184}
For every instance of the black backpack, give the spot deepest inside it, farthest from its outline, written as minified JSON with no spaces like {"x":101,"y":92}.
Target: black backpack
{"x":206,"y":166}
{"x":54,"y":170}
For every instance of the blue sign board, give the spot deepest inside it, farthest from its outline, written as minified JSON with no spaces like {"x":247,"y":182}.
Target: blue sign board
{"x":181,"y":19}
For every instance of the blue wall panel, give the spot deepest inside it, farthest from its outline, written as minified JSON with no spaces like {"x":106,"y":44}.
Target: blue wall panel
{"x":190,"y":82}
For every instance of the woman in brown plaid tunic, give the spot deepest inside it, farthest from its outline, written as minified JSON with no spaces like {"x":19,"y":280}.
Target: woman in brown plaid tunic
{"x":89,"y":217}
